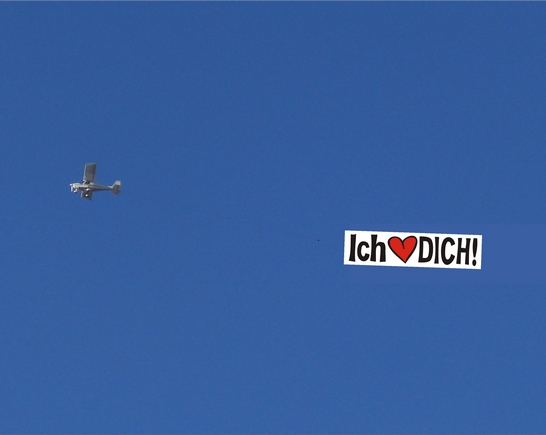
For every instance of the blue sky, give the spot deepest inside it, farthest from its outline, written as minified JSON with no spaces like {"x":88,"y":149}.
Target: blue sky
{"x":211,"y":295}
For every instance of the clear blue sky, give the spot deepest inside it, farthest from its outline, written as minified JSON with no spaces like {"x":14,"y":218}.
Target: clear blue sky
{"x":211,"y":296}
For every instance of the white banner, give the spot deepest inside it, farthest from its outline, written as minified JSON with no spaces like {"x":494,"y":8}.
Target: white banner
{"x":380,"y":248}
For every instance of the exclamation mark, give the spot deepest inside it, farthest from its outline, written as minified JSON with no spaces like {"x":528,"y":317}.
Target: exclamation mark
{"x":475,"y":249}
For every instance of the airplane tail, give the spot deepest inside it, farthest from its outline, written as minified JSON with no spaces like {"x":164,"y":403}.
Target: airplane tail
{"x":116,"y":188}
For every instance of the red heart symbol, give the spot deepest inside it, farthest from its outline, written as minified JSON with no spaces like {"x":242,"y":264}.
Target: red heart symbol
{"x":403,"y":248}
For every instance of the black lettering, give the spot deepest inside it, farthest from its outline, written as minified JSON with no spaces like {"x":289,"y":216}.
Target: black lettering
{"x":437,"y":250}
{"x":381,"y":245}
{"x":353,"y":243}
{"x":460,"y":250}
{"x":444,"y":259}
{"x":359,"y":251}
{"x":422,"y":258}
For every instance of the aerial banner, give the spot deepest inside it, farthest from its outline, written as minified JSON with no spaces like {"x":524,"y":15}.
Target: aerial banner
{"x":380,"y":248}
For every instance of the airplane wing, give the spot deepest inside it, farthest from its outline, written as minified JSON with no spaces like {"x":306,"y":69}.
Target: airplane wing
{"x":89,"y":172}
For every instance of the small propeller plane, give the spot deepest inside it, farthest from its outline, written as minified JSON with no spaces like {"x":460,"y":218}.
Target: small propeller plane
{"x":88,"y":186}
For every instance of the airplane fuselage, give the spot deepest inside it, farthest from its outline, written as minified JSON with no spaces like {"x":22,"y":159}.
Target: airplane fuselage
{"x":88,"y":187}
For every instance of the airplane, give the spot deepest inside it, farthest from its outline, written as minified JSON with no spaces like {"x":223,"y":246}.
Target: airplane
{"x":88,"y":186}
